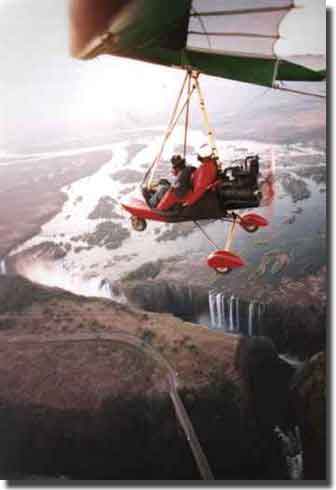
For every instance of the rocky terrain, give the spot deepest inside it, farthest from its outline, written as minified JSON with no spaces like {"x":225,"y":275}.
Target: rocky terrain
{"x":30,"y":193}
{"x":105,"y":209}
{"x":295,"y":314}
{"x":107,"y":234}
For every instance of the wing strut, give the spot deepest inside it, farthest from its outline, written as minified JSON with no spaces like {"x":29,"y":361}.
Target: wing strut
{"x":190,"y":85}
{"x":206,"y":119}
{"x":300,"y":92}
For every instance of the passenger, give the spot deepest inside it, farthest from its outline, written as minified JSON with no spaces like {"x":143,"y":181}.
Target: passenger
{"x":206,"y":153}
{"x":181,"y":185}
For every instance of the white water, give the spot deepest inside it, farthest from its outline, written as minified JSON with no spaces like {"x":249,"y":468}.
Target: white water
{"x":3,"y":268}
{"x":223,"y":309}
{"x":212,"y":307}
{"x":229,"y":314}
{"x":57,"y":274}
{"x":84,"y":194}
{"x":292,"y":449}
{"x":250,"y":318}
{"x":105,"y":288}
{"x":231,"y":304}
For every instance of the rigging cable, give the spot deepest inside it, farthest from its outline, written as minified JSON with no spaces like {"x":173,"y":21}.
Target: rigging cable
{"x":187,"y":119}
{"x":172,"y":124}
{"x":165,"y":138}
{"x":202,"y":24}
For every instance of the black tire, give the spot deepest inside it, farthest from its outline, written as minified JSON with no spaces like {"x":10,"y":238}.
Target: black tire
{"x":250,"y":228}
{"x":223,"y":270}
{"x":138,"y":224}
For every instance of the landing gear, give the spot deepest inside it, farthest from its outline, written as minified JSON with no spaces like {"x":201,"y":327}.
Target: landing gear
{"x":138,"y":224}
{"x":250,"y":228}
{"x":224,"y":261}
{"x":223,"y":270}
{"x":251,"y":222}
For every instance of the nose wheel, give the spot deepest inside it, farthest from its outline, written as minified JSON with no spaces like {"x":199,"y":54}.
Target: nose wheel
{"x":138,"y":224}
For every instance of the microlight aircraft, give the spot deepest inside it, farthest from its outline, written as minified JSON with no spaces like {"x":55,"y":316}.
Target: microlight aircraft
{"x":231,"y":39}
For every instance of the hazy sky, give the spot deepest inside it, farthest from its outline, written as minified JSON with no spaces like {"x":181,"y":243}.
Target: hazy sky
{"x":40,"y":83}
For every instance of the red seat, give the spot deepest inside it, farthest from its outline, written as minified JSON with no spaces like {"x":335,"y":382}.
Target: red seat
{"x":202,"y":178}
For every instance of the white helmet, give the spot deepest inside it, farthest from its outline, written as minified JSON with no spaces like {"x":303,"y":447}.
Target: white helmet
{"x":205,"y":151}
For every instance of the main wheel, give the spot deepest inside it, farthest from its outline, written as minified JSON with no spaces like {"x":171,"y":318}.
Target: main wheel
{"x":138,"y":224}
{"x":223,"y":270}
{"x":250,"y":228}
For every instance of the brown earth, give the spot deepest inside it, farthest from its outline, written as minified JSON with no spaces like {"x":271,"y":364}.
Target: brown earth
{"x":71,"y":407}
{"x":197,"y":354}
{"x":92,"y":408}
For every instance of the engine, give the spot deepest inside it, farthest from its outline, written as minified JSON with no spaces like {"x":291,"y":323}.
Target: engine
{"x":239,"y":186}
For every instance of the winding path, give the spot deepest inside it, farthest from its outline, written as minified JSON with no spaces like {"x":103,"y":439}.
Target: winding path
{"x":181,"y":413}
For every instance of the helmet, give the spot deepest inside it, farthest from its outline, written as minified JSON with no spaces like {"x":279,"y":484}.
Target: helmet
{"x":177,"y":161}
{"x":205,"y":151}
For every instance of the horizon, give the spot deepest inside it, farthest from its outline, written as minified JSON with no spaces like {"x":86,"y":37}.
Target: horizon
{"x":43,"y":87}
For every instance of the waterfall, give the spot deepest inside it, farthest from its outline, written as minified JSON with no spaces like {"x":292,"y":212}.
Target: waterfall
{"x":105,"y":288}
{"x":223,"y":311}
{"x":250,"y":318}
{"x":261,"y":311}
{"x":237,"y":323}
{"x":212,"y":308}
{"x":216,"y":309}
{"x":292,"y":449}
{"x":233,"y":315}
{"x":219,"y":310}
{"x":3,"y":268}
{"x":231,"y":328}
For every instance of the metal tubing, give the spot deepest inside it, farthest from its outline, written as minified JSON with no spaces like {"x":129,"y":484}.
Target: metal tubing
{"x":206,"y":118}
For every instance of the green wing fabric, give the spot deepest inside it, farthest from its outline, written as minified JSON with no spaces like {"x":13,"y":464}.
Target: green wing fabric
{"x":233,"y":39}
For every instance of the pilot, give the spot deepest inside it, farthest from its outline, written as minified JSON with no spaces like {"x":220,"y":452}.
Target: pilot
{"x":181,"y":185}
{"x":182,"y":174}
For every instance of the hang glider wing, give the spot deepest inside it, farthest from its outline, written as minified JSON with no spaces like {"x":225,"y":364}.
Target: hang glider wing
{"x":233,"y":39}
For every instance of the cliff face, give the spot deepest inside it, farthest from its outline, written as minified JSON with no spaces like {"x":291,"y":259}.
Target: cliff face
{"x":293,"y":312}
{"x":309,"y":393}
{"x":78,"y":399}
{"x":160,"y":296}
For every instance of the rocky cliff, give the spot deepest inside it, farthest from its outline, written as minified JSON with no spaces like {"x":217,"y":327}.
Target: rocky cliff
{"x":78,"y":404}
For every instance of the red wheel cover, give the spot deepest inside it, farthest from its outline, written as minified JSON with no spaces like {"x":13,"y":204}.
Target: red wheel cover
{"x":221,"y":259}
